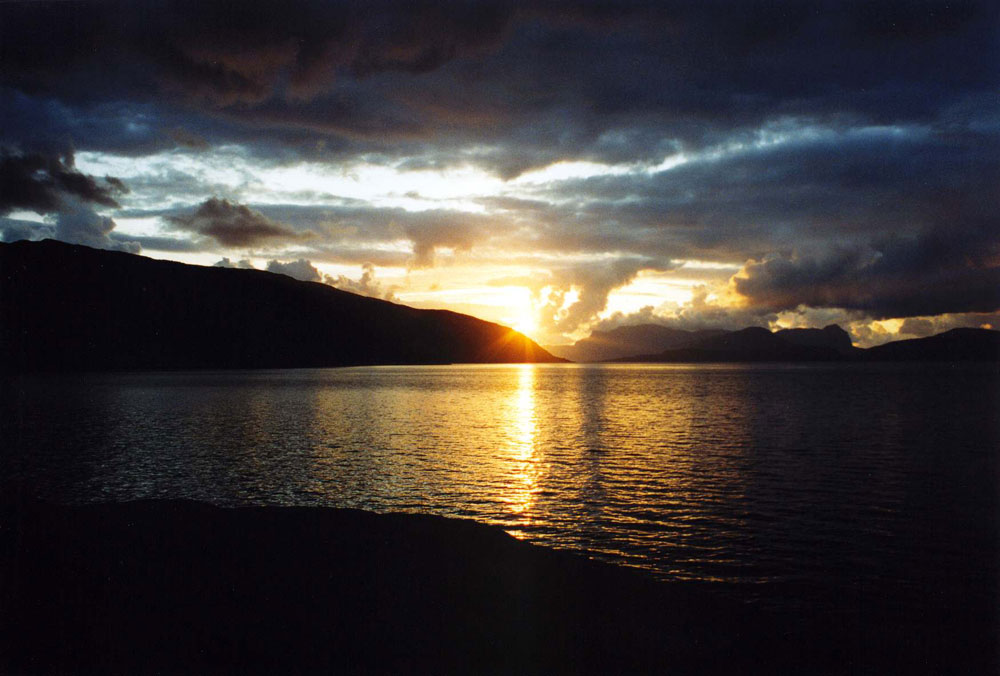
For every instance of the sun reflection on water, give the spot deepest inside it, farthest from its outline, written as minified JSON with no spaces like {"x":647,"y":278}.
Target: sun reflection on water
{"x":522,"y":449}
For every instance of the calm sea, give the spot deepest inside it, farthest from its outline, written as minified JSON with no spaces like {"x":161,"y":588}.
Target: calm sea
{"x":832,"y":479}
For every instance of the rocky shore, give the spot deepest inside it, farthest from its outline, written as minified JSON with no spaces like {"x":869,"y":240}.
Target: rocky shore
{"x":185,"y":587}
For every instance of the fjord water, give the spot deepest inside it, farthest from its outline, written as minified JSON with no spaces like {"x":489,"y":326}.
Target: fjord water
{"x":824,"y":479}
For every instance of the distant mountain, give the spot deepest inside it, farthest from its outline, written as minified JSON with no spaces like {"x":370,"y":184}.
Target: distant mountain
{"x":627,"y":341}
{"x":69,"y":308}
{"x":828,"y":344}
{"x":831,"y":336}
{"x":644,"y":342}
{"x":752,"y":344}
{"x":954,"y":345}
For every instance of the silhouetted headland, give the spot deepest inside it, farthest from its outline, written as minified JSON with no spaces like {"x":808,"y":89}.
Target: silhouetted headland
{"x":183,"y":587}
{"x":954,"y":345}
{"x":65,"y":307}
{"x":654,"y":343}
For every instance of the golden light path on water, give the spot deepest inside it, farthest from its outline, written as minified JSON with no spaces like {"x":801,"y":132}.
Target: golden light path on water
{"x":523,"y":423}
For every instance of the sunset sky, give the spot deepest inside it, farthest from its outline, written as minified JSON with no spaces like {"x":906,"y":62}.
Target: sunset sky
{"x":552,"y":166}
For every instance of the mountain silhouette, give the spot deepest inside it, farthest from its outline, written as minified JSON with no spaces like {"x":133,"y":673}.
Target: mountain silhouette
{"x":627,"y":341}
{"x":953,"y":345}
{"x":831,"y":336}
{"x":66,"y":307}
{"x":643,"y":342}
{"x":753,"y":344}
{"x":831,"y":343}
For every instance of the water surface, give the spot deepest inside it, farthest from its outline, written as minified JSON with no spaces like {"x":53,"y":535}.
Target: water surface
{"x":831,"y":477}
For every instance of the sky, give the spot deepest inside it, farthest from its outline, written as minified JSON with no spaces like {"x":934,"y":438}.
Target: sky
{"x":558,"y":167}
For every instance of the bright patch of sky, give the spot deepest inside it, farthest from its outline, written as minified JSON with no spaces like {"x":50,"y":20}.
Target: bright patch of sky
{"x":650,"y":288}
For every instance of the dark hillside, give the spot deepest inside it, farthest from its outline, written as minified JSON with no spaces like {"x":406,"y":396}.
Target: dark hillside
{"x":954,"y":345}
{"x":68,"y":308}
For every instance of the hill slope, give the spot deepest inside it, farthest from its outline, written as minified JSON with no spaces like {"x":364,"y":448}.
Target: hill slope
{"x":829,"y":344}
{"x":752,"y":344}
{"x":626,"y":341}
{"x":65,"y":307}
{"x":644,"y":341}
{"x":954,"y":345}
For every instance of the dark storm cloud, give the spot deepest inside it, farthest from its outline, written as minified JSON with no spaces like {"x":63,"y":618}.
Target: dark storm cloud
{"x":809,"y":190}
{"x":43,"y":182}
{"x":529,"y":83}
{"x":225,"y":54}
{"x":954,"y":270}
{"x":234,"y":225}
{"x":886,"y":222}
{"x":49,"y":183}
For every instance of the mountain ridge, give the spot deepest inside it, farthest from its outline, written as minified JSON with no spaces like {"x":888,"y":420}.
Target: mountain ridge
{"x":757,"y":344}
{"x":66,"y":307}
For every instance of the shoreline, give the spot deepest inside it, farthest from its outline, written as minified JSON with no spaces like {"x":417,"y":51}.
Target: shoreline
{"x":186,"y":587}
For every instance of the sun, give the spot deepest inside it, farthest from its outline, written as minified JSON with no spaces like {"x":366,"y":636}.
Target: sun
{"x":526,"y":323}
{"x":520,"y":313}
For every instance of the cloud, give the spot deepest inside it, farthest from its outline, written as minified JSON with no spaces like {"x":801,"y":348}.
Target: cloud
{"x":43,"y":183}
{"x":13,"y":230}
{"x":154,"y":243}
{"x":366,"y":285}
{"x":243,"y":264}
{"x":706,"y":310}
{"x":938,"y":271}
{"x":427,"y":238}
{"x":304,"y":270}
{"x":234,"y":225}
{"x":513,"y":84}
{"x":49,"y":184}
{"x":79,"y":224}
{"x":225,"y":56}
{"x":847,"y":150}
{"x":301,"y":269}
{"x":572,"y":297}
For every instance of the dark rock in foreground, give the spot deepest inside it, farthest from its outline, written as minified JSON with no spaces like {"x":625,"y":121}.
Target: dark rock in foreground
{"x":180,"y":587}
{"x":65,"y":307}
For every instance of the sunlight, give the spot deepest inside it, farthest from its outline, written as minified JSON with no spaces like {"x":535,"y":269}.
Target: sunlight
{"x":519,"y":310}
{"x":383,"y":186}
{"x":522,"y":434}
{"x":526,"y":324}
{"x":650,"y":288}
